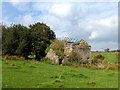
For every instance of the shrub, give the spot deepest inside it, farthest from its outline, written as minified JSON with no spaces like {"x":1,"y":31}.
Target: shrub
{"x":98,"y":59}
{"x":58,"y":47}
{"x":101,"y":57}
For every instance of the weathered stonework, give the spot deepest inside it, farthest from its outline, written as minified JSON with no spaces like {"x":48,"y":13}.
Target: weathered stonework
{"x":82,"y":48}
{"x":53,"y":57}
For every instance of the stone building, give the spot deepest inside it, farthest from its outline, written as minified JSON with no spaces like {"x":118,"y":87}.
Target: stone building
{"x":82,"y":48}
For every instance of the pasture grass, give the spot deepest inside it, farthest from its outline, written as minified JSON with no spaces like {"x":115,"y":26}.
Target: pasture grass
{"x":36,"y":74}
{"x":109,"y":56}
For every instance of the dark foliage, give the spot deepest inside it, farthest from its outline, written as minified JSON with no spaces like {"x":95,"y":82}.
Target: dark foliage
{"x":21,"y":41}
{"x":41,"y":38}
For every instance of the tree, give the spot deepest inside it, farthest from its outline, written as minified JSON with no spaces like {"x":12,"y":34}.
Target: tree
{"x":16,"y":40}
{"x":41,"y":38}
{"x":20,"y":40}
{"x":25,"y":44}
{"x":9,"y":40}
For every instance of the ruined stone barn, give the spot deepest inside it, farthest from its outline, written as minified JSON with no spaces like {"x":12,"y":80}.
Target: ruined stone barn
{"x":81,"y":48}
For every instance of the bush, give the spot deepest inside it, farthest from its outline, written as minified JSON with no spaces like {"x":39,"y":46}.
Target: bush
{"x":101,"y":57}
{"x":58,"y":47}
{"x":98,"y":59}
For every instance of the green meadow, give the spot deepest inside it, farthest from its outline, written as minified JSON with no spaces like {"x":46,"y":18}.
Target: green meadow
{"x":36,"y":74}
{"x":109,"y":56}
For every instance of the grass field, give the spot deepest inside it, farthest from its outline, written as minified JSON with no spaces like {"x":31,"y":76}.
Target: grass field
{"x":109,"y":56}
{"x":34,"y":74}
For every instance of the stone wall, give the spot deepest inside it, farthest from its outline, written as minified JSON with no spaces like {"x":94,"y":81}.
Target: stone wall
{"x":84,"y":53}
{"x":53,"y":57}
{"x":68,"y":48}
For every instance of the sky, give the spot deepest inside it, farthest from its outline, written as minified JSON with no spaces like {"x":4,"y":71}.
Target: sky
{"x":96,"y":22}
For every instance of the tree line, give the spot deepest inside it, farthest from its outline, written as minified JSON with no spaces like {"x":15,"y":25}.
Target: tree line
{"x":22,"y":41}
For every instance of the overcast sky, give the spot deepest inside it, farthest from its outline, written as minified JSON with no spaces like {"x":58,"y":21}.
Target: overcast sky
{"x":96,"y":22}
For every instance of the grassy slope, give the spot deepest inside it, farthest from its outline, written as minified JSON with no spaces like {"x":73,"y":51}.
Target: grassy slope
{"x":109,"y":56}
{"x":33,"y":74}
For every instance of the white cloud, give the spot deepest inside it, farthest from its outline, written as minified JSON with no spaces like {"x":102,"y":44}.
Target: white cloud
{"x":102,"y":29}
{"x":60,"y":9}
{"x":106,"y":22}
{"x":25,"y":20}
{"x":56,"y":9}
{"x":55,"y":24}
